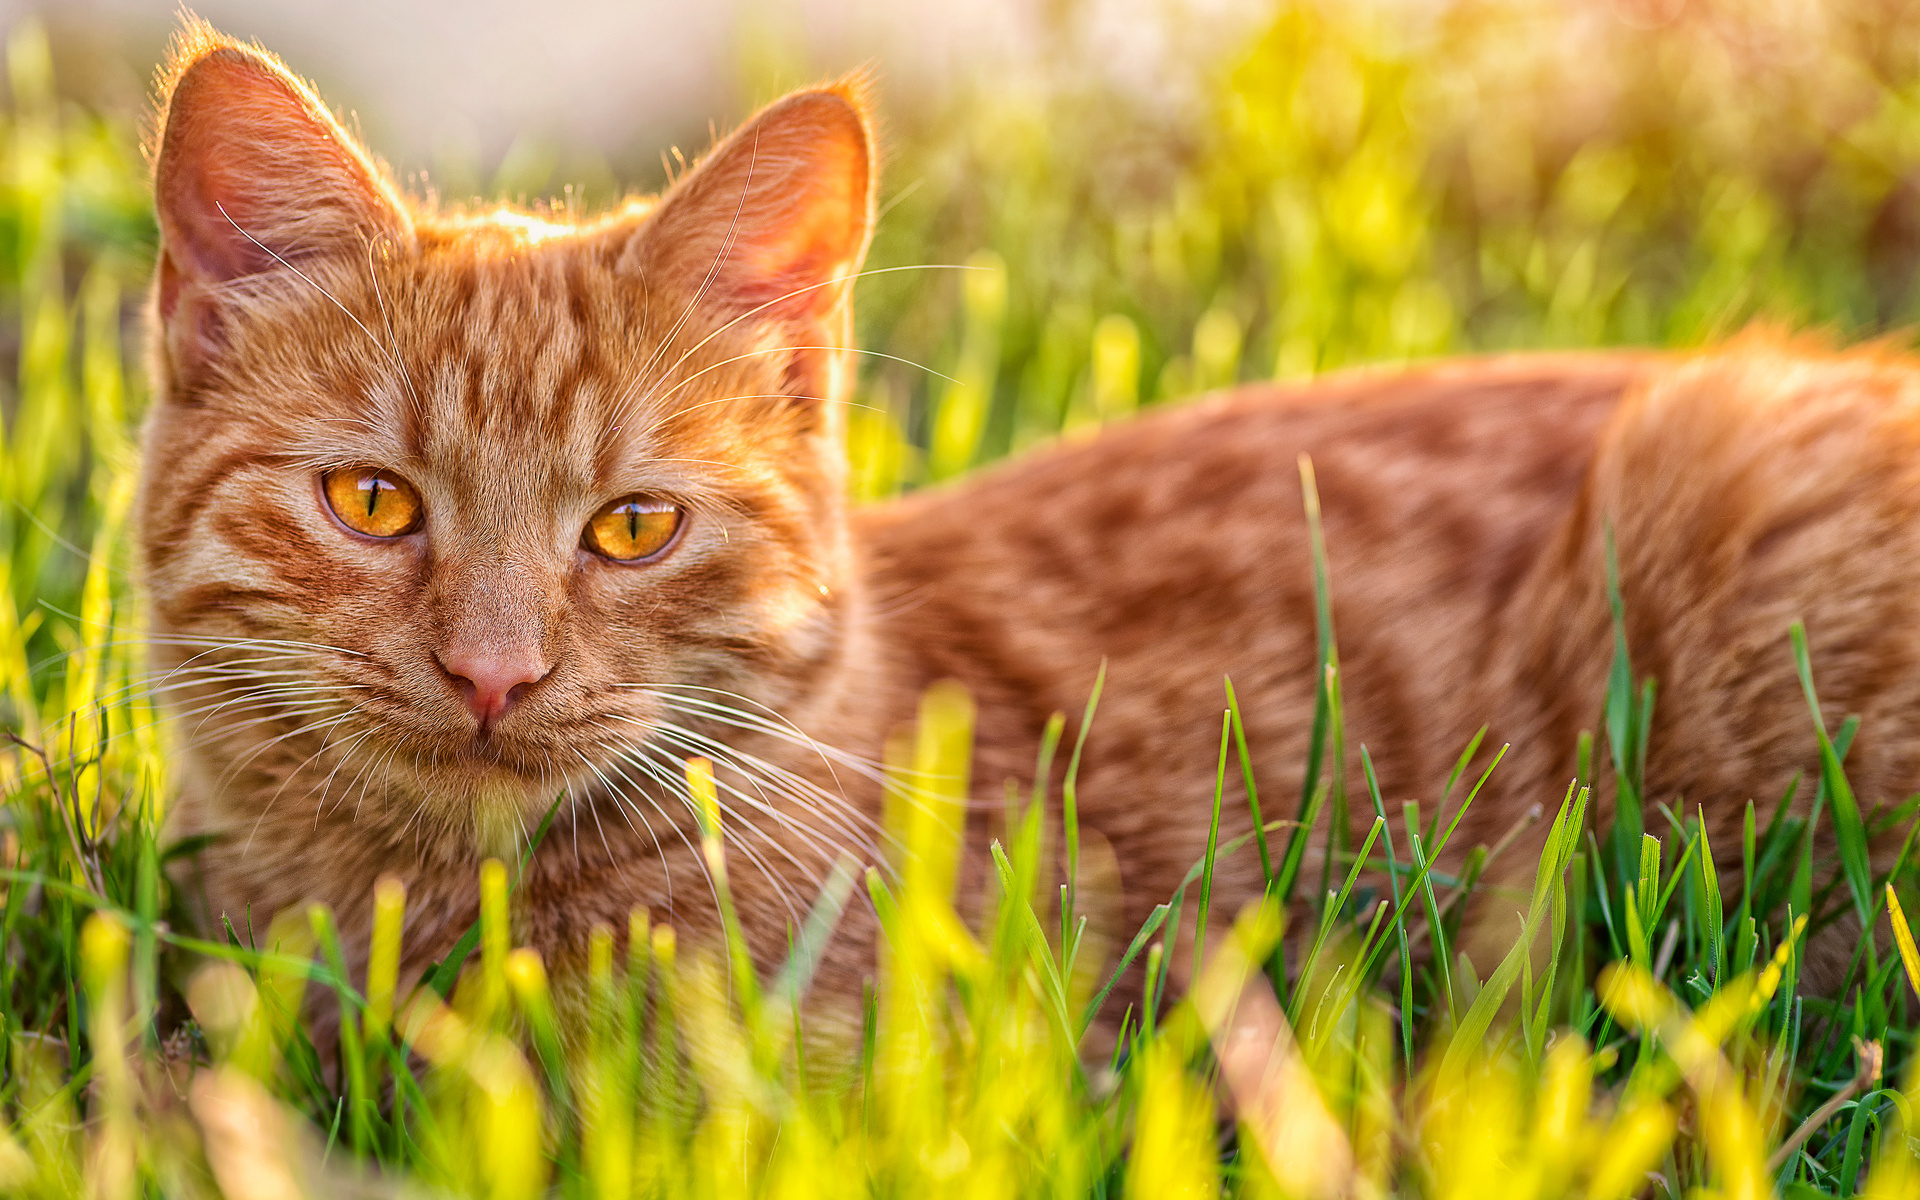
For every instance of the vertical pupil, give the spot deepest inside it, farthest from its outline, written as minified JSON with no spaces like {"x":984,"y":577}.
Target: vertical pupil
{"x":633,"y":522}
{"x":373,"y":494}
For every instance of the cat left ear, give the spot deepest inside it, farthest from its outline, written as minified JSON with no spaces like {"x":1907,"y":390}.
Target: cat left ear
{"x":252,"y":177}
{"x":775,"y":220}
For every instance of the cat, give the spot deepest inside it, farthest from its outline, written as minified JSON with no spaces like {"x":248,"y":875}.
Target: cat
{"x":448,"y":513}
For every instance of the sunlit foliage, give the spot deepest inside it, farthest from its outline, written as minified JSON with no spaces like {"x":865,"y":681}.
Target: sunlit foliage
{"x":1354,"y":185}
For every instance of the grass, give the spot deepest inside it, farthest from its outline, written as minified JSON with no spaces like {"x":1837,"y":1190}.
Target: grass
{"x":1647,"y":1035}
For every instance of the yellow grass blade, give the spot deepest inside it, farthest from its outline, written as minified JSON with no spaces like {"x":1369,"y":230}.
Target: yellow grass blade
{"x":1903,"y":937}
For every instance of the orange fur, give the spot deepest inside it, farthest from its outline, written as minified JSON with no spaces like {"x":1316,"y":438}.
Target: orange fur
{"x":521,"y":373}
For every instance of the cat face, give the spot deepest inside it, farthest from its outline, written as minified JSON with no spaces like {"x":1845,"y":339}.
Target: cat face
{"x":441,"y":508}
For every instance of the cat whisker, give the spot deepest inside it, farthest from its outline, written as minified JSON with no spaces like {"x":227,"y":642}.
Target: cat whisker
{"x":909,"y":791}
{"x":327,"y":743}
{"x":251,"y":699}
{"x":292,"y":733}
{"x":701,"y":462}
{"x":393,"y":342}
{"x":235,"y":704}
{"x":274,"y":684}
{"x":244,"y":669}
{"x":766,"y":720}
{"x":321,"y":453}
{"x":326,"y":785}
{"x":202,"y":737}
{"x":608,"y":783}
{"x":122,"y":698}
{"x":526,"y":835}
{"x":819,"y":841}
{"x":205,"y":644}
{"x":573,"y":810}
{"x":898,"y":604}
{"x":669,"y":771}
{"x":672,"y":785}
{"x":733,"y":828}
{"x":773,"y":724}
{"x":808,"y":797}
{"x":57,"y":538}
{"x":281,"y":700}
{"x":234,"y":770}
{"x":742,"y":357}
{"x":369,"y":775}
{"x":620,"y":413}
{"x":223,"y":642}
{"x":249,"y":702}
{"x":667,"y":774}
{"x":823,"y":843}
{"x":573,"y":814}
{"x":855,"y":825}
{"x":658,"y":850}
{"x":713,"y":272}
{"x":676,"y":414}
{"x":673,"y":414}
{"x":303,"y":277}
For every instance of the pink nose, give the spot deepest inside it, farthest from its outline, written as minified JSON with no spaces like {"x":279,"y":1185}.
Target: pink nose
{"x":490,"y":679}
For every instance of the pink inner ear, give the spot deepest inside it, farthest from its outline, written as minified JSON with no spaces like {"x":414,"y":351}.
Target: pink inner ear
{"x":787,"y":261}
{"x":211,"y":243}
{"x":248,"y":151}
{"x":776,"y":215}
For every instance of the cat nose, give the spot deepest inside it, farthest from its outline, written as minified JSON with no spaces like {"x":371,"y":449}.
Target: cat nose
{"x":491,"y":678}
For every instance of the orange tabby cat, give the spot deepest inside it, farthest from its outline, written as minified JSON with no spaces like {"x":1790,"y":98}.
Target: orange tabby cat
{"x":448,"y":513}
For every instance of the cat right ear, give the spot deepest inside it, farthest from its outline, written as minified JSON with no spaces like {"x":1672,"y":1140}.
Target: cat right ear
{"x":774,"y":222}
{"x":252,"y":178}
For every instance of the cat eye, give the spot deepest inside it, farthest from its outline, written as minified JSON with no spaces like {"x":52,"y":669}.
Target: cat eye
{"x":377,"y":503}
{"x":632,"y":529}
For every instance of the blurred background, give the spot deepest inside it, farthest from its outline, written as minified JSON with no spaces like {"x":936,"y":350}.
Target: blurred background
{"x":1158,"y":198}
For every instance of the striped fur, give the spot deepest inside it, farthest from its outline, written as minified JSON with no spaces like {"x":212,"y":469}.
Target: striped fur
{"x":521,"y":371}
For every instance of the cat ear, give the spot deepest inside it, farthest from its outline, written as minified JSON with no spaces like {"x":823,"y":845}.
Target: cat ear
{"x":252,"y":178}
{"x":775,"y":220}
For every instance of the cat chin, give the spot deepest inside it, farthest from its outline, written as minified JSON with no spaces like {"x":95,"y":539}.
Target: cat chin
{"x":492,"y":805}
{"x":501,"y":822}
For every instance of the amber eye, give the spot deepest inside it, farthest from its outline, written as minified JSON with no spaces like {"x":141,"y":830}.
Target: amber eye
{"x":377,"y":503}
{"x":632,"y":528}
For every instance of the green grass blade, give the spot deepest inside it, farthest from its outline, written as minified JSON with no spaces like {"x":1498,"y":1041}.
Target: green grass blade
{"x":1715,"y":917}
{"x":1437,"y":931}
{"x":1628,"y":821}
{"x":444,"y":974}
{"x":1153,"y":923}
{"x":1070,"y":802}
{"x":1331,"y":912}
{"x":1399,"y":917}
{"x":1246,"y":777}
{"x":811,"y":944}
{"x":1213,"y":845}
{"x":361,"y":1104}
{"x":1328,"y":740}
{"x":1453,"y":779}
{"x":1472,"y":1029}
{"x":1848,"y":831}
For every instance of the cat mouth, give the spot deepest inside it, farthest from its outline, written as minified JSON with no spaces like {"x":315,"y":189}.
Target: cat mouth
{"x":493,"y":754}
{"x":488,"y":751}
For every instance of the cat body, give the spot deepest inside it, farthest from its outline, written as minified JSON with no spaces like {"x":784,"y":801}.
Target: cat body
{"x":447,"y":516}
